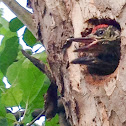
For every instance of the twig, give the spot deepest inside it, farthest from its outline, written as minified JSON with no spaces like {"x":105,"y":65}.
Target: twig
{"x":39,"y":64}
{"x":36,"y":118}
{"x":26,"y":108}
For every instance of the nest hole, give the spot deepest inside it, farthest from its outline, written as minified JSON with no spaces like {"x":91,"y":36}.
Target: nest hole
{"x":112,"y":57}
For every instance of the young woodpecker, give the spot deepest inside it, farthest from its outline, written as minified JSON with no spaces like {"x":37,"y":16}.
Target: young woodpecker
{"x":101,"y":49}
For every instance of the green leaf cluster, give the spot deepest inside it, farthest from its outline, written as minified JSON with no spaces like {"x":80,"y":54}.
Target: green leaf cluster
{"x":28,"y":83}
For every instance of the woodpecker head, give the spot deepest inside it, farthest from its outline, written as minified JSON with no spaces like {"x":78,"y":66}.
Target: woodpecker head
{"x":105,"y":34}
{"x":101,"y":48}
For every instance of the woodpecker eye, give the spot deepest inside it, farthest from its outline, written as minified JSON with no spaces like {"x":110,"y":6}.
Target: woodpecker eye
{"x":100,"y":32}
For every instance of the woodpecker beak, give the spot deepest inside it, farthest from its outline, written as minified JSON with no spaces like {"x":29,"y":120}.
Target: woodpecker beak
{"x":82,"y":39}
{"x":88,"y":41}
{"x":90,"y":44}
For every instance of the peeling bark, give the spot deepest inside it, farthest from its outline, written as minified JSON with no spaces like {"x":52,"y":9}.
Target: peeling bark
{"x":89,"y":100}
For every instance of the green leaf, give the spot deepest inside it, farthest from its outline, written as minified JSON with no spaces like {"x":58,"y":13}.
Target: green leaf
{"x":3,"y":122}
{"x":7,"y":36}
{"x":4,"y":26}
{"x":3,"y":31}
{"x":38,"y":102}
{"x":53,"y":122}
{"x":19,"y":56}
{"x":10,"y":119}
{"x":31,"y":80}
{"x":13,"y":72}
{"x":4,"y":23}
{"x":2,"y":110}
{"x":2,"y":107}
{"x":27,"y":118}
{"x":1,"y":25}
{"x":12,"y":97}
{"x":15,"y":24}
{"x":29,"y":38}
{"x":2,"y":87}
{"x":41,"y":56}
{"x":28,"y":77}
{"x":1,"y":75}
{"x":9,"y":53}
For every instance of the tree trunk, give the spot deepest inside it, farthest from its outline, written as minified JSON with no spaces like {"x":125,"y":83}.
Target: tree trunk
{"x":89,"y":100}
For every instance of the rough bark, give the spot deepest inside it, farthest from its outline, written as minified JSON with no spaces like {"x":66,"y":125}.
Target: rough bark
{"x":89,"y":100}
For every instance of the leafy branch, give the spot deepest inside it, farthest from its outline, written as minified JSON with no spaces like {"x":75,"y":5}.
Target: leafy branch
{"x":22,"y":14}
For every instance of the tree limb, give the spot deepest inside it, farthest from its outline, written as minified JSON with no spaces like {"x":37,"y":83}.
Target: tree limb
{"x":22,"y":14}
{"x":39,"y":64}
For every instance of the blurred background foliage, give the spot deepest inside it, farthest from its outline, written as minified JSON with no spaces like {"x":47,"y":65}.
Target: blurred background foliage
{"x":27,"y":83}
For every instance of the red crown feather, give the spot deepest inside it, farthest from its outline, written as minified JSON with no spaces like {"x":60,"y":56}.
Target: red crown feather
{"x":98,"y":27}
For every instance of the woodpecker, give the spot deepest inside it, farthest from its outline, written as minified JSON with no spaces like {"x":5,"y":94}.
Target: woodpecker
{"x":101,"y":50}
